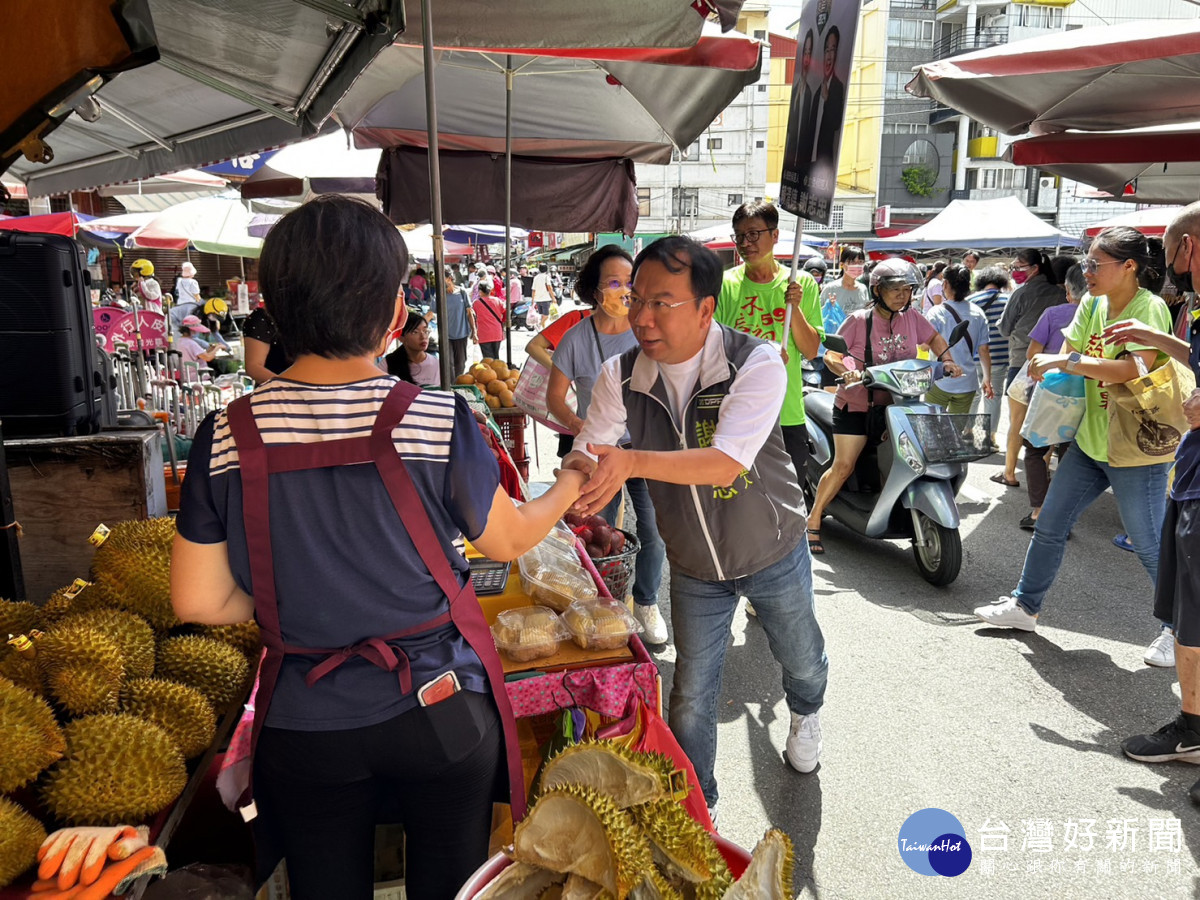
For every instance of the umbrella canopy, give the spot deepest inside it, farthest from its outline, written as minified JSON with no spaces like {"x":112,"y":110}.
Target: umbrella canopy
{"x":324,"y":165}
{"x":126,"y":223}
{"x":481,"y":234}
{"x":64,"y":223}
{"x":1095,"y":79}
{"x":1148,"y":221}
{"x":982,"y":224}
{"x":634,"y":104}
{"x":210,"y":224}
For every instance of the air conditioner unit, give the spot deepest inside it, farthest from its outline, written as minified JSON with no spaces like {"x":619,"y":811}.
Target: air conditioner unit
{"x":1045,"y":184}
{"x":1047,"y":192}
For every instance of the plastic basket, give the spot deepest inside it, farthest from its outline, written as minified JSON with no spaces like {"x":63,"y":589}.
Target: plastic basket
{"x":947,"y":437}
{"x":617,"y":572}
{"x":511,"y":422}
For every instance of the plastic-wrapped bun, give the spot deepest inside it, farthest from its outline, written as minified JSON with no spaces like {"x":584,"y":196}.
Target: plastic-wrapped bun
{"x":600,"y":624}
{"x":530,"y":632}
{"x":552,"y":577}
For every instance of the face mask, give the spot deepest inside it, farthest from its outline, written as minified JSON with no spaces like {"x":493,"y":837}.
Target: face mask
{"x":1181,"y":280}
{"x":614,"y":301}
{"x":854,"y":271}
{"x":1020,"y":277}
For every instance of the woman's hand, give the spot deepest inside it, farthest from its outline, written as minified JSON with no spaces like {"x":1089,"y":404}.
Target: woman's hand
{"x":852,"y":376}
{"x":614,"y":467}
{"x":1044,"y":363}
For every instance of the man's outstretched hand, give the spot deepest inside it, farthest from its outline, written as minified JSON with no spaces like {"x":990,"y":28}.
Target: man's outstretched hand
{"x":614,"y":467}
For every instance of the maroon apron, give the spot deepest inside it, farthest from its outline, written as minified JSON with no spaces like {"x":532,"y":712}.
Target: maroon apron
{"x":257,"y":463}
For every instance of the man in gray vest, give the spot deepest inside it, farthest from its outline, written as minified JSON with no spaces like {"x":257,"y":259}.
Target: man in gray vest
{"x":701,"y":403}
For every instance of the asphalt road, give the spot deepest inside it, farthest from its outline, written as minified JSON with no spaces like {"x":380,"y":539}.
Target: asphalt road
{"x":926,"y":707}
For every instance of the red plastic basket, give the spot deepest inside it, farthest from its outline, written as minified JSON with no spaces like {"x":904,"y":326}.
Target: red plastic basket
{"x":512,"y":428}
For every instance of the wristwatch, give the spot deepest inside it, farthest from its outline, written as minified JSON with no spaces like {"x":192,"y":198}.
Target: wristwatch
{"x":1073,"y":359}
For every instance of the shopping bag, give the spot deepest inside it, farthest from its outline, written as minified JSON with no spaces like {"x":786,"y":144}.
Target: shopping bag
{"x":530,"y":395}
{"x":1021,"y":387}
{"x":1145,"y":416}
{"x":1055,"y":410}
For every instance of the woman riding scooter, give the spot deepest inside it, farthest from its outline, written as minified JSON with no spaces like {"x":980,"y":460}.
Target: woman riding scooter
{"x":889,"y":329}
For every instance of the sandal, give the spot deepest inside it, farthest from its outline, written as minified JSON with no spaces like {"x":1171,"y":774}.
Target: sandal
{"x":1000,"y":479}
{"x":815,"y":547}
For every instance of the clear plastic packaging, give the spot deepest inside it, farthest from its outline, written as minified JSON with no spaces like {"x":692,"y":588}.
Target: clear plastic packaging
{"x":600,"y":624}
{"x":561,"y":537}
{"x":530,"y":632}
{"x":553,"y":577}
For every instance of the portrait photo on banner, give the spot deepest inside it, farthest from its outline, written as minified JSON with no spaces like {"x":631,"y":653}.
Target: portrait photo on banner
{"x":817,"y":107}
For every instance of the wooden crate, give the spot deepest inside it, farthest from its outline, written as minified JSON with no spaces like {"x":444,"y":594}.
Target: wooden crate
{"x":62,"y":488}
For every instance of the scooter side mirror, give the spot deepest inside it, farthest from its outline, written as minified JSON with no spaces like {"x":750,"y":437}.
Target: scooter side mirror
{"x":959,"y":332}
{"x":837,"y":343}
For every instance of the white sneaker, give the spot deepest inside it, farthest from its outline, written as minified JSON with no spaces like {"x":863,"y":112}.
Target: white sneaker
{"x":1007,"y":613}
{"x":804,"y":742}
{"x":654,"y":629}
{"x":750,"y":611}
{"x":712,"y":814}
{"x":1161,"y":651}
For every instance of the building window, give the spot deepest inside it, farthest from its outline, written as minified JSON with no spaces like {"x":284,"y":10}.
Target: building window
{"x":758,"y":145}
{"x":837,"y":220}
{"x":905,"y":128}
{"x":894,"y":85}
{"x":762,"y":88}
{"x":643,"y":199}
{"x":995,"y":179}
{"x":734,"y":200}
{"x":685,"y":201}
{"x":714,"y":143}
{"x":910,"y":32}
{"x":760,"y":35}
{"x":1026,"y":16}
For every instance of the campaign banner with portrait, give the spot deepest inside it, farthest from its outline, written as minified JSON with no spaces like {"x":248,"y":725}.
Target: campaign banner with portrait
{"x":824,"y":52}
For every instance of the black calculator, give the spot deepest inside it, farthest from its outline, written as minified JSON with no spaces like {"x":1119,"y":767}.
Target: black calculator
{"x":489,"y":576}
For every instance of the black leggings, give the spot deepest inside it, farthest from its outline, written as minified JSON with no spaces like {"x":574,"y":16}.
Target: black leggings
{"x":490,"y":349}
{"x":322,"y":793}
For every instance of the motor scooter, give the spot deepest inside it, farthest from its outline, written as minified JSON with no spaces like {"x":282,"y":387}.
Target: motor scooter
{"x":517,"y":313}
{"x":905,"y":487}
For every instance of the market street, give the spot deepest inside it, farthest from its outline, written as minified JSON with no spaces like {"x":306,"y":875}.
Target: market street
{"x":928,"y":708}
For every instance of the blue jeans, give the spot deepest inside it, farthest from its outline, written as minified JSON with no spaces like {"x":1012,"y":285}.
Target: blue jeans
{"x":1141,"y":493}
{"x":701,"y":613}
{"x":647,"y":577}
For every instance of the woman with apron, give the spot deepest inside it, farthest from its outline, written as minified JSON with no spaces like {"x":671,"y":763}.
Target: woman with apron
{"x":330,"y":505}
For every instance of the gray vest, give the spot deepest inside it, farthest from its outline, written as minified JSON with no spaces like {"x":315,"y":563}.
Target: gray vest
{"x":715,"y":533}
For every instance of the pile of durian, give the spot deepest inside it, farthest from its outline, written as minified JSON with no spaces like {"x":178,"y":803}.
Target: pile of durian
{"x":105,"y":694}
{"x":607,"y":825}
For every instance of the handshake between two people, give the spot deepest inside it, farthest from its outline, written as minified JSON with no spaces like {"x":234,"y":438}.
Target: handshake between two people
{"x":605,"y":475}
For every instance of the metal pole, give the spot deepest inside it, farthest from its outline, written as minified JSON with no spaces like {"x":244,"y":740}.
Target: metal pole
{"x":508,"y":91}
{"x":435,"y":194}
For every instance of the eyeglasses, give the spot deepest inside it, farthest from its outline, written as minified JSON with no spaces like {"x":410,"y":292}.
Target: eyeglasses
{"x":655,"y":307}
{"x":748,"y":237}
{"x":617,"y":285}
{"x":1092,"y":266}
{"x":1175,"y":255}
{"x":1022,"y":268}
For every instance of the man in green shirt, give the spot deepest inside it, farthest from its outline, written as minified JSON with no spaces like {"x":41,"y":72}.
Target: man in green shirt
{"x":754,"y":299}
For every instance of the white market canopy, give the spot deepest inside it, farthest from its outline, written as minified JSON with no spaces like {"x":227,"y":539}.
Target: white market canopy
{"x":979,"y":225}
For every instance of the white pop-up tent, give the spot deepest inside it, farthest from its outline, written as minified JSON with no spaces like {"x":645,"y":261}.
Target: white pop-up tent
{"x":979,"y":225}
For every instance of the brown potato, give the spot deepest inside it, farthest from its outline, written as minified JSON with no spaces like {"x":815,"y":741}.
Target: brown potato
{"x":483,"y":374}
{"x":499,"y":368}
{"x":506,"y":399}
{"x":495,"y":386}
{"x":465,"y":379}
{"x":493,"y":401}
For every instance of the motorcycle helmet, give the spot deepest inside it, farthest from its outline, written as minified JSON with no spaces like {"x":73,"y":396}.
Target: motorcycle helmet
{"x":216,"y":307}
{"x":892,"y":273}
{"x":816,"y":267}
{"x":143,"y":267}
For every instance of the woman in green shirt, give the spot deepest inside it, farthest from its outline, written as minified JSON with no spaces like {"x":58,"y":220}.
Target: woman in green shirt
{"x":1121,"y":269}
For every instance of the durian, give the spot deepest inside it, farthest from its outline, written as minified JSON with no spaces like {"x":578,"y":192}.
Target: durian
{"x":625,"y":776}
{"x":21,"y":670}
{"x":132,"y":570}
{"x":132,"y":635}
{"x":576,"y":829}
{"x":654,"y":887}
{"x":30,"y":739}
{"x":16,"y":618}
{"x":181,"y":711}
{"x":576,"y":888}
{"x":20,"y":837}
{"x":519,"y":882}
{"x":118,"y":769}
{"x":769,"y":875}
{"x":681,"y":846}
{"x":245,"y":636}
{"x":67,"y":600}
{"x":212,"y":667}
{"x":83,"y":668}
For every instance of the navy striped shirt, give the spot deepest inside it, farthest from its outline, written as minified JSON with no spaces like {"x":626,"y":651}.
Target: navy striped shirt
{"x":345,"y":567}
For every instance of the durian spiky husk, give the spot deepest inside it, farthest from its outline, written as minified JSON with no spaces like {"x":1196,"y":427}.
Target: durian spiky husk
{"x":576,"y":888}
{"x":83,"y":668}
{"x":118,"y":769}
{"x":575,"y":829}
{"x":181,"y":711}
{"x":16,"y":618}
{"x":30,"y":739}
{"x":519,"y":882}
{"x":212,"y":667}
{"x":681,"y":846}
{"x":21,"y":670}
{"x":132,"y":634}
{"x":769,"y":875}
{"x":245,"y":636}
{"x":20,"y":837}
{"x":61,"y":604}
{"x":654,"y":887}
{"x":132,"y":570}
{"x":626,"y":777}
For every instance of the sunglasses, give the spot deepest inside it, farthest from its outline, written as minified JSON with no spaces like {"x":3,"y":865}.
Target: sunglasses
{"x":1092,"y":266}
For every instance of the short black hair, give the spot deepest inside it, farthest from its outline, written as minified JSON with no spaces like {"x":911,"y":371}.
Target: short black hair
{"x":851,"y":254}
{"x":992,"y":276}
{"x":588,"y":279}
{"x":833,"y":33}
{"x":330,"y":272}
{"x":678,"y":253}
{"x":958,"y":278}
{"x":972,"y":253}
{"x":542,"y":267}
{"x":1032,"y":256}
{"x":757,"y":209}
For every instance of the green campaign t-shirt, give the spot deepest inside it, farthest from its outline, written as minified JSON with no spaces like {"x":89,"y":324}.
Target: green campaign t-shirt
{"x":760,"y":310}
{"x":1084,"y":334}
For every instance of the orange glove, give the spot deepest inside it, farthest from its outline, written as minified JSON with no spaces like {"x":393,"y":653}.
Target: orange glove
{"x":76,"y":855}
{"x":111,"y":876}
